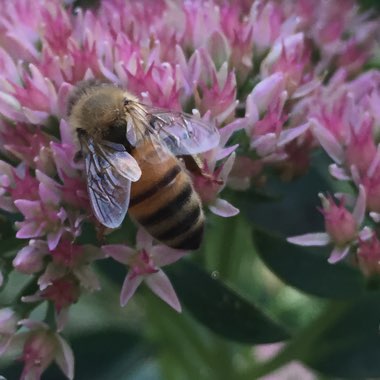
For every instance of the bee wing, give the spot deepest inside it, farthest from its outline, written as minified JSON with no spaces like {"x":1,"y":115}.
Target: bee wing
{"x":182,"y":133}
{"x":110,"y":171}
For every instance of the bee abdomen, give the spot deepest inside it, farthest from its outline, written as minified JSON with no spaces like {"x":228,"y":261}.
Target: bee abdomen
{"x":170,"y":210}
{"x":180,"y":223}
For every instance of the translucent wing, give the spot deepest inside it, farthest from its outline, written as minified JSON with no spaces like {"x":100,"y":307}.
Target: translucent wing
{"x":182,"y":133}
{"x":110,"y":170}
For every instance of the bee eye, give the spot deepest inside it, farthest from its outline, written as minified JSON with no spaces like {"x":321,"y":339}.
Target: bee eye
{"x":81,"y":132}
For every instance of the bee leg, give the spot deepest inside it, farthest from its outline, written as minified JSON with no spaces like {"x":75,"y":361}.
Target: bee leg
{"x":100,"y":233}
{"x":195,"y":166}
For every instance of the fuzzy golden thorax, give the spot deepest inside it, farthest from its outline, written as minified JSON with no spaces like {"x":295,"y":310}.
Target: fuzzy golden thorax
{"x":95,"y":107}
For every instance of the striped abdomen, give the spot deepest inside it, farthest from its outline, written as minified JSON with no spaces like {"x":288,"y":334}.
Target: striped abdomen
{"x":164,"y":202}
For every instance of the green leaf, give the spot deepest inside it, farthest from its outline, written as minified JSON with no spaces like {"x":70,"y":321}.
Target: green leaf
{"x":11,"y":244}
{"x":350,"y":346}
{"x":221,"y":309}
{"x":294,"y":209}
{"x":307,"y":269}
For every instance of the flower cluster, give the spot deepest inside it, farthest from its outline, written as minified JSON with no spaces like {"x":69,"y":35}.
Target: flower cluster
{"x":250,"y":68}
{"x":345,"y":121}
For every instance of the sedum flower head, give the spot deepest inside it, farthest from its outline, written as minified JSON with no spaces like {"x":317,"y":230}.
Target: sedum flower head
{"x":246,"y":66}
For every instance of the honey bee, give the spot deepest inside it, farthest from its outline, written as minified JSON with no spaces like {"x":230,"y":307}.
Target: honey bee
{"x":132,"y":155}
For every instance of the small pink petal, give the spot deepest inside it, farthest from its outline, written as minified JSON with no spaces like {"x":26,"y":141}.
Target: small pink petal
{"x":329,"y":143}
{"x":227,"y":131}
{"x":35,"y":117}
{"x":223,"y":153}
{"x":65,"y":358}
{"x":338,"y":173}
{"x":28,"y":208}
{"x":360,"y":207}
{"x":223,"y":208}
{"x":251,"y":112}
{"x":118,"y":252}
{"x":355,"y":174}
{"x":53,"y":238}
{"x":313,"y":239}
{"x":226,"y":169}
{"x":47,"y":194}
{"x":143,"y":240}
{"x":366,"y":233}
{"x":221,"y":117}
{"x":338,"y":254}
{"x":160,"y":285}
{"x":163,"y":255}
{"x":290,"y":134}
{"x":375,"y":216}
{"x":306,"y":88}
{"x":62,"y":318}
{"x":29,"y":230}
{"x":267,"y":90}
{"x":130,"y":285}
{"x":265,"y":144}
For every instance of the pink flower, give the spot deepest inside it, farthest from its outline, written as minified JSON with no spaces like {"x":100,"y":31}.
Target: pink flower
{"x":342,"y":227}
{"x":41,"y":347}
{"x":265,"y":119}
{"x":42,"y":217}
{"x":144,"y":264}
{"x":212,"y":180}
{"x":346,"y":133}
{"x":69,"y":257}
{"x":291,"y":57}
{"x":63,"y":291}
{"x":218,"y":94}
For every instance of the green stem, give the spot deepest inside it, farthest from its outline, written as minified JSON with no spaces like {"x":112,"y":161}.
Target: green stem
{"x":178,"y":336}
{"x":300,"y":348}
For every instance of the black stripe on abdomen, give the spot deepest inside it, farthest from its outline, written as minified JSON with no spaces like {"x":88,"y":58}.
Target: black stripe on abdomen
{"x":191,"y":240}
{"x":171,"y":208}
{"x":166,"y":179}
{"x":186,"y":219}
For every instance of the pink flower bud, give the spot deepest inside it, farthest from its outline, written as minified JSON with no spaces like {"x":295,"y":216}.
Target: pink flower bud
{"x":30,"y":259}
{"x":369,"y":256}
{"x":340,"y":224}
{"x":62,"y":292}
